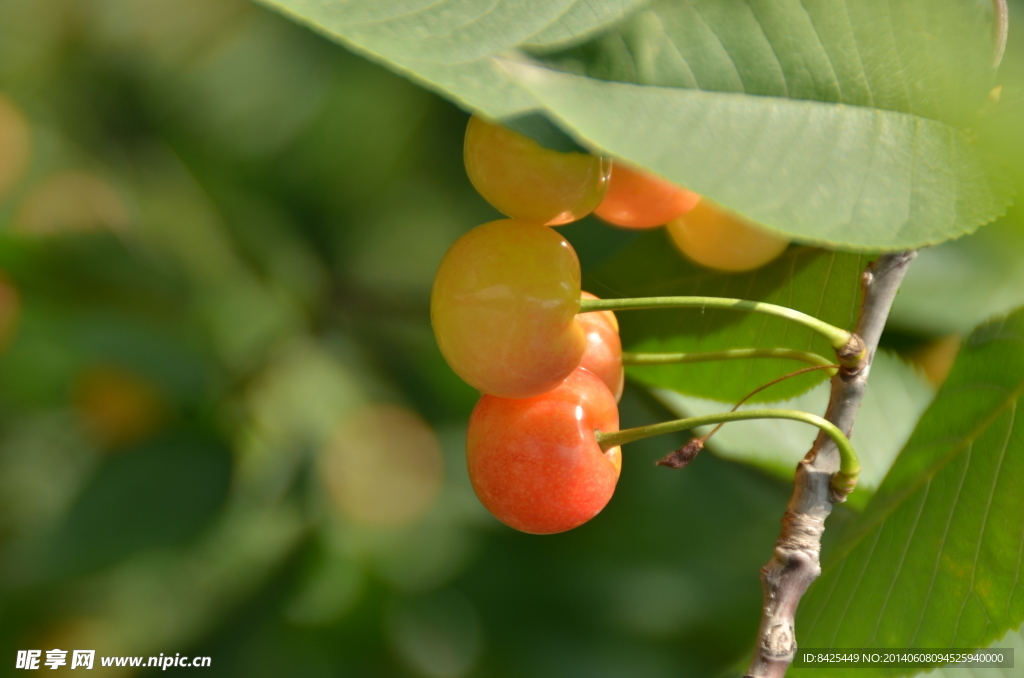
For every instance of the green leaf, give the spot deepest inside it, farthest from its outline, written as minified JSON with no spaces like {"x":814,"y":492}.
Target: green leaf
{"x":1013,"y":640}
{"x":897,"y":55}
{"x":163,"y":492}
{"x":455,"y":31}
{"x":935,"y":559}
{"x":823,"y":284}
{"x":956,"y":286}
{"x":830,"y":174}
{"x":895,"y":397}
{"x":832,"y":121}
{"x":448,"y":46}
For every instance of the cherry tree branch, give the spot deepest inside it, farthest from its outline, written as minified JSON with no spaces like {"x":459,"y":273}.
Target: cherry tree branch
{"x":795,"y":563}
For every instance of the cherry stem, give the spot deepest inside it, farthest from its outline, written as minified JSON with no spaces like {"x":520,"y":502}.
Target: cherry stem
{"x":840,"y":339}
{"x":731,"y":354}
{"x":764,"y":386}
{"x":849,"y":464}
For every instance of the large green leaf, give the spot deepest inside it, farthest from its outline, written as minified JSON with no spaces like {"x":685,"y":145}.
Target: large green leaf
{"x":935,"y":559}
{"x":836,"y":122}
{"x":895,"y":397}
{"x":898,"y":55}
{"x":456,"y":31}
{"x":832,"y":174}
{"x":823,"y":284}
{"x":958,"y":285}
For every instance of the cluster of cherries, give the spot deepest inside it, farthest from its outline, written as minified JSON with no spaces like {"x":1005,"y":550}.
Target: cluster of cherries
{"x":505,"y":311}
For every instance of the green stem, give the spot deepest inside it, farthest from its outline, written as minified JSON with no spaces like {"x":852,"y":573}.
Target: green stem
{"x":849,"y":465}
{"x":837,"y":337}
{"x":732,"y":354}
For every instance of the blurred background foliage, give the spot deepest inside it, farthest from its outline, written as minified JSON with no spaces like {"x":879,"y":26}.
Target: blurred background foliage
{"x":225,"y":429}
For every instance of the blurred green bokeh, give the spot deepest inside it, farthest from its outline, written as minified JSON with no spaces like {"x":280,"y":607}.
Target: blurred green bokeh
{"x":216,"y":271}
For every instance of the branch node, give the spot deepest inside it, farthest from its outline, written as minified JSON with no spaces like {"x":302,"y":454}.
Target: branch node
{"x":842,"y":485}
{"x":853,"y":356}
{"x":801,"y":533}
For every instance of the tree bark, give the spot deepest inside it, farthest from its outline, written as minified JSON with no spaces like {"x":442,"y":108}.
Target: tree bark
{"x":795,"y":562}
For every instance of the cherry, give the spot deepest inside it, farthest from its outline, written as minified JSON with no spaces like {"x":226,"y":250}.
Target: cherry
{"x":603,"y":355}
{"x":712,"y":237}
{"x":535,"y":462}
{"x":503,"y":308}
{"x":636,"y":199}
{"x":524,"y":180}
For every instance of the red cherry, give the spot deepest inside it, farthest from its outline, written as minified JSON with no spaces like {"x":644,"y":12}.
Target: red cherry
{"x":535,"y":462}
{"x":603,"y":355}
{"x":637,"y":199}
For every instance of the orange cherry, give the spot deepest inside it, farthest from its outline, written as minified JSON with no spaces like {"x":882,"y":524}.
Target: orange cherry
{"x":637,"y":199}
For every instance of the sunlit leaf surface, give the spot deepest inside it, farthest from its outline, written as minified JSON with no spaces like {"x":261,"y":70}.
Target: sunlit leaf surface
{"x":836,"y":122}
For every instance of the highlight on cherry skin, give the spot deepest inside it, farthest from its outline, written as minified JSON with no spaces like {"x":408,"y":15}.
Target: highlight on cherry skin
{"x":535,"y":463}
{"x":638,"y":199}
{"x":603,"y":355}
{"x":525,"y":180}
{"x":503,"y":308}
{"x":713,"y":237}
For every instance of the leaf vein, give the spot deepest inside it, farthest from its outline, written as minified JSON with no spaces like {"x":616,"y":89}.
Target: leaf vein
{"x":853,"y":592}
{"x":942,"y":546}
{"x":899,"y":566}
{"x":984,"y":523}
